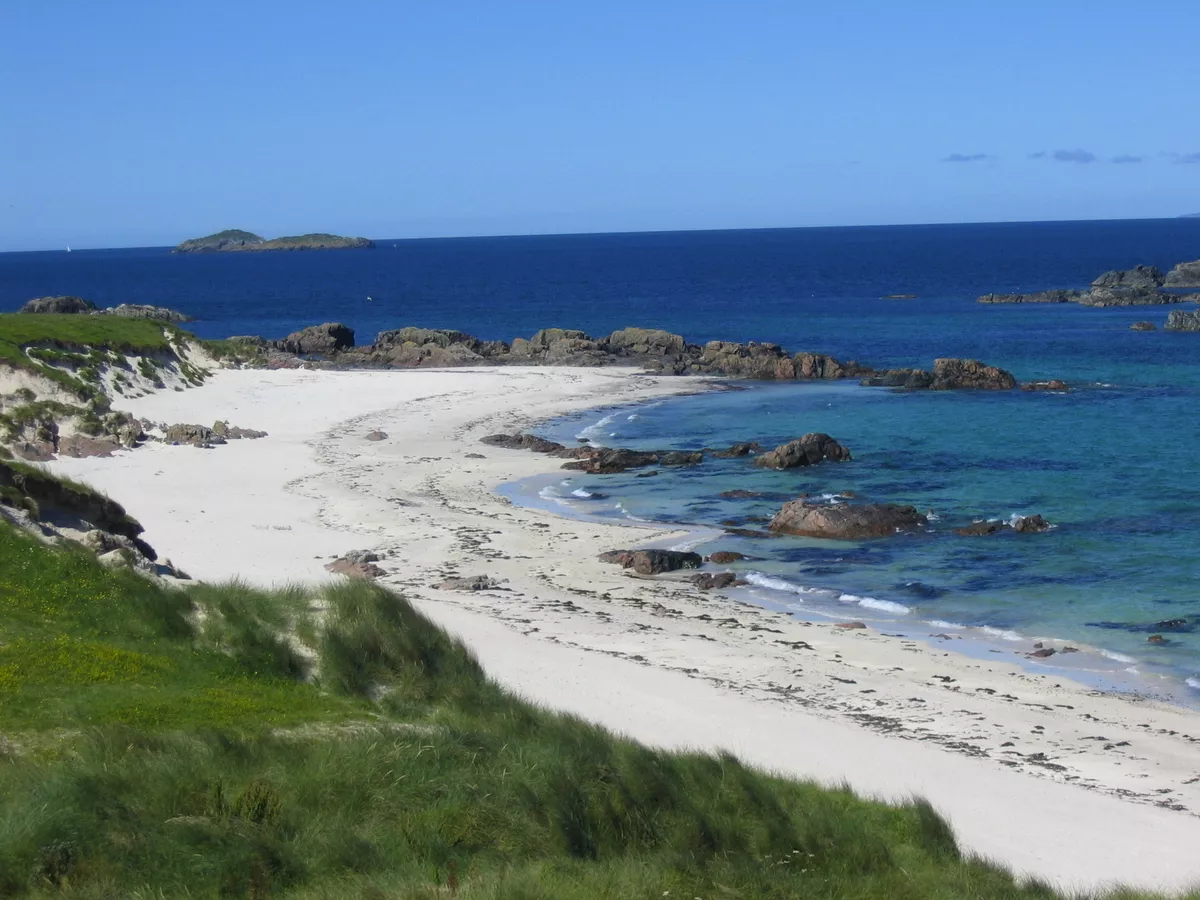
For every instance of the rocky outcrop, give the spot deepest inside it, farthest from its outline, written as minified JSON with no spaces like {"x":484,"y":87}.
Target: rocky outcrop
{"x":236,"y":240}
{"x":356,"y":564}
{"x":715,"y":581}
{"x":64,"y":305}
{"x":1183,"y":320}
{"x":328,"y":338}
{"x":1030,"y":524}
{"x":1143,"y":326}
{"x":1184,"y":275}
{"x":235,"y":433}
{"x":1137,"y":277}
{"x":1052,"y":385}
{"x":522,"y":442}
{"x":610,"y":461}
{"x":724,"y":557}
{"x":1055,"y":296}
{"x":808,"y":450}
{"x":948,"y":374}
{"x":652,"y":562}
{"x":471,"y":583}
{"x":1129,"y":296}
{"x":144,"y":311}
{"x":845,"y":521}
{"x":978,"y":529}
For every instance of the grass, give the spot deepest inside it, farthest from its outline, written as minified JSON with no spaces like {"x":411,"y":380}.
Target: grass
{"x":224,"y":741}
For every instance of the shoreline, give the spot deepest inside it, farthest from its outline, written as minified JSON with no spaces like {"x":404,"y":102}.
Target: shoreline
{"x":655,"y":659}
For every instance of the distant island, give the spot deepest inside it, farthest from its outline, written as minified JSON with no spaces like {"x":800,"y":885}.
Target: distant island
{"x":1190,"y":216}
{"x":234,"y":239}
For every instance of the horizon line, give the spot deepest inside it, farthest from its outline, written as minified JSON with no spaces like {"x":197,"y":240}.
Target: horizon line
{"x":652,"y":231}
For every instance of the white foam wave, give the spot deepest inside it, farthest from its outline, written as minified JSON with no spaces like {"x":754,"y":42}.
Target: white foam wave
{"x":582,"y":494}
{"x":1193,"y":683}
{"x":1003,"y":633}
{"x":872,"y":603}
{"x":1117,"y":657}
{"x":774,"y":584}
{"x":632,"y":417}
{"x":596,"y":429}
{"x":627,"y":514}
{"x":942,"y":623}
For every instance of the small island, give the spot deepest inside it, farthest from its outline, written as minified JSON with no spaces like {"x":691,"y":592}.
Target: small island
{"x":234,"y":239}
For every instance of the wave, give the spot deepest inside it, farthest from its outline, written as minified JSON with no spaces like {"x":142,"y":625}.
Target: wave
{"x":872,"y":603}
{"x":582,"y":494}
{"x":1117,"y":657}
{"x":774,"y":584}
{"x":942,"y":623}
{"x":1193,"y":683}
{"x":597,"y":429}
{"x":1003,"y":633}
{"x":627,"y":514}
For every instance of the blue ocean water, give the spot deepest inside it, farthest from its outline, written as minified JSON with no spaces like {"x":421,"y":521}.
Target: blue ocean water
{"x":1112,"y":463}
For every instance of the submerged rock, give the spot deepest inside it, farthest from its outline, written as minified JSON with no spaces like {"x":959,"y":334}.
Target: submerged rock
{"x":714,"y":581}
{"x":1055,"y":296}
{"x":977,"y":529}
{"x":1143,"y":326}
{"x":845,"y":521}
{"x":808,"y":450}
{"x":1052,"y":385}
{"x":724,"y":557}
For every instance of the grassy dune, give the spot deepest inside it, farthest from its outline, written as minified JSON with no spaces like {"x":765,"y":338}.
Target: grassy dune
{"x":223,"y":741}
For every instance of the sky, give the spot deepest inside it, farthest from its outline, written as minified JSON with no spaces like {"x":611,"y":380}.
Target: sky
{"x":144,"y":123}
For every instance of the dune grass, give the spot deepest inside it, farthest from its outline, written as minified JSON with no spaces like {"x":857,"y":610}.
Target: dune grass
{"x":224,"y":741}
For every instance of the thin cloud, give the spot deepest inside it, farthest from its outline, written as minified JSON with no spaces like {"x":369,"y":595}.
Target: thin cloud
{"x":966,"y":157}
{"x":1186,"y":159}
{"x":1126,"y":158}
{"x":1041,"y":154}
{"x":1074,"y":156}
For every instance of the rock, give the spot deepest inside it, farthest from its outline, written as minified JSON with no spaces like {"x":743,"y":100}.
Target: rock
{"x":1184,"y":275}
{"x":805,"y":451}
{"x":144,"y":311}
{"x":1030,"y":524}
{"x":622,"y":558}
{"x":681,"y":458}
{"x":64,"y":305}
{"x":1128,"y":296}
{"x":738,"y":450}
{"x":710,"y":581}
{"x":983,"y":528}
{"x":470,"y":583}
{"x":643,"y":342}
{"x":355,"y":569}
{"x":377,"y":436}
{"x":1042,"y":653}
{"x":1052,"y":385}
{"x":522,"y":442}
{"x":1157,"y":639}
{"x":1143,"y":326}
{"x":610,"y":461}
{"x":360,"y":556}
{"x":1056,"y":296}
{"x":850,"y":626}
{"x":318,"y":339}
{"x":234,"y":433}
{"x":741,"y":494}
{"x":909,"y":379}
{"x":844,"y":521}
{"x":1137,"y":277}
{"x":191,"y":434}
{"x":724,"y":557}
{"x":971,"y":374}
{"x":652,"y":562}
{"x":81,"y":446}
{"x":474,"y":456}
{"x":1183,"y":320}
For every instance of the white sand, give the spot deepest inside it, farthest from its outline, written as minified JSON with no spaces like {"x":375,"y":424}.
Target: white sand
{"x":655,"y":659}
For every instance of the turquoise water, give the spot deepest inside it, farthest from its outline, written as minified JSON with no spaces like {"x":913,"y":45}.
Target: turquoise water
{"x":1110,"y":464}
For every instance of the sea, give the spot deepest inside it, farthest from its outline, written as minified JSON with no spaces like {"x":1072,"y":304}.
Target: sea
{"x":1112,"y":463}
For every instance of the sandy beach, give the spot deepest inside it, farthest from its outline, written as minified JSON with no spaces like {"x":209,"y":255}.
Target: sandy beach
{"x":1032,"y":769}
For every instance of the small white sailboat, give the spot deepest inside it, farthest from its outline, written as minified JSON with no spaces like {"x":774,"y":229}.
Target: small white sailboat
{"x":68,"y":248}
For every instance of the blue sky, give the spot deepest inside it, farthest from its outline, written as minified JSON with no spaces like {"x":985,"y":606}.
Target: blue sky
{"x":142,"y":123}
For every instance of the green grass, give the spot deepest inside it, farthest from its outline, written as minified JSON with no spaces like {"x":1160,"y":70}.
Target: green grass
{"x":79,"y":342}
{"x":162,"y":743}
